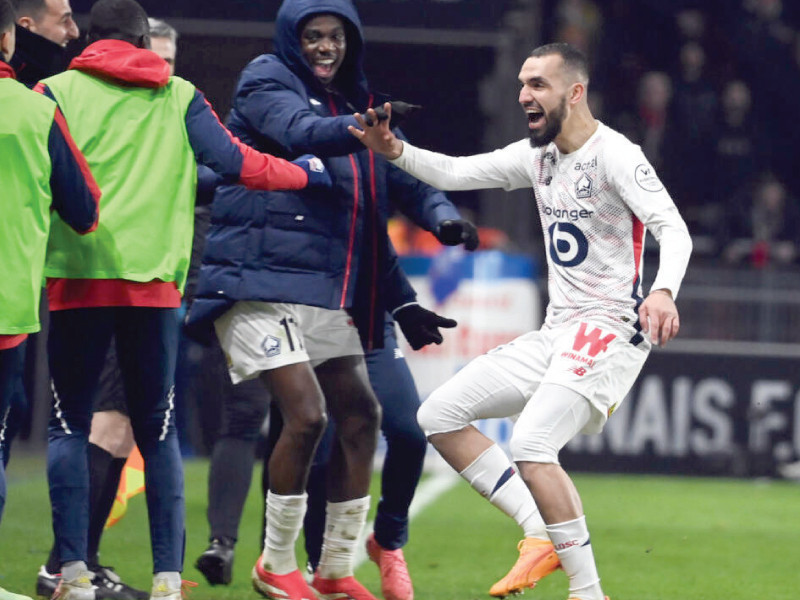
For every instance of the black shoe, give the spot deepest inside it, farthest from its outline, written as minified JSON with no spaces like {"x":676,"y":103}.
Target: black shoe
{"x":46,"y":583}
{"x":216,"y":563}
{"x":110,"y":586}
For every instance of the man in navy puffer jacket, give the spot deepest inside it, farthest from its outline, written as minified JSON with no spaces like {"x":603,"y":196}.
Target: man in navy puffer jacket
{"x":298,"y":283}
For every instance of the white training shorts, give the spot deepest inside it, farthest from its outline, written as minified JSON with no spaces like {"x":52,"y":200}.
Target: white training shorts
{"x":593,"y":361}
{"x":261,"y":336}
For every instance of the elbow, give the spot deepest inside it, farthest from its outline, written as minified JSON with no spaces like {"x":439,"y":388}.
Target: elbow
{"x":688,"y":242}
{"x":89,"y":226}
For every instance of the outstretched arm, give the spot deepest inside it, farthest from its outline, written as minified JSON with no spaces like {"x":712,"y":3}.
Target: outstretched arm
{"x":215,"y":147}
{"x":504,"y":168}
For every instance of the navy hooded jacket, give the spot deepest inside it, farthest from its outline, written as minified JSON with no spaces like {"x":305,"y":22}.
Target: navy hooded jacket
{"x":320,"y":248}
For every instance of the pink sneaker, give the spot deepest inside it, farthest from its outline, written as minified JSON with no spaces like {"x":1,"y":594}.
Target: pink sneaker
{"x":395,"y":580}
{"x":291,"y":586}
{"x":346,"y":588}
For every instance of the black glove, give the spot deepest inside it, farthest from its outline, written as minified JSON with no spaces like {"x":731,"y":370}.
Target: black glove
{"x":400,"y":110}
{"x":318,"y":176}
{"x":454,"y":232}
{"x":420,"y":325}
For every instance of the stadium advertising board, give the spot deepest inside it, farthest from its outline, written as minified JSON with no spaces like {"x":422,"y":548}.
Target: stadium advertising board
{"x":705,"y":414}
{"x":493,"y":297}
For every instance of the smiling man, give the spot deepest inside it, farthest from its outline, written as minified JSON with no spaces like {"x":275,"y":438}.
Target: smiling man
{"x":597,"y":194}
{"x":44,"y":28}
{"x":324,"y":45}
{"x":51,"y":19}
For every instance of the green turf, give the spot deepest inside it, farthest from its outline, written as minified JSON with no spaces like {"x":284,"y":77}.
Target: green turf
{"x":655,"y":538}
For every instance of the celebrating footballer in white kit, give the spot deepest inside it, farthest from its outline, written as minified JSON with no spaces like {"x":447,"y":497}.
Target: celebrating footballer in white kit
{"x":597,"y":196}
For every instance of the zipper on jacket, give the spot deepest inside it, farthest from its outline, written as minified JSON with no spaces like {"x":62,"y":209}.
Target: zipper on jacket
{"x":374,"y":229}
{"x":351,"y":242}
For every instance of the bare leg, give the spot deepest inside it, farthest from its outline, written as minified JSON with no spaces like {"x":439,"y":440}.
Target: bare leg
{"x":553,"y":491}
{"x":112,"y":431}
{"x":460,"y":448}
{"x":299,"y":398}
{"x":356,"y":412}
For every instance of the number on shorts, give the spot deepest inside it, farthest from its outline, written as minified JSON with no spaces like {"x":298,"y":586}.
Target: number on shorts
{"x":285,"y":322}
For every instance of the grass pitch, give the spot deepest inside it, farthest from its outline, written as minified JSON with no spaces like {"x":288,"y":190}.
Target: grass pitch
{"x":655,"y":538}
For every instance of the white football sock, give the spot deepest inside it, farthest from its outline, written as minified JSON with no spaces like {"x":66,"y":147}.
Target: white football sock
{"x":495,"y":478}
{"x":172,"y":579}
{"x":284,"y":521}
{"x":574,"y":549}
{"x":70,"y":570}
{"x":343,"y":524}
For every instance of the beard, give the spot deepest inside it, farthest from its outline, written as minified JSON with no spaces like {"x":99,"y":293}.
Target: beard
{"x":554,"y":121}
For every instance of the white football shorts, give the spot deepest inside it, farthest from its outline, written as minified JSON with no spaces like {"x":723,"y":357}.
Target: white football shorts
{"x":261,"y":336}
{"x":594,"y":362}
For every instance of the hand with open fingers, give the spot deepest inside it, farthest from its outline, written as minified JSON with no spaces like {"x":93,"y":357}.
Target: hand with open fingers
{"x":658,"y":317}
{"x":375,"y":132}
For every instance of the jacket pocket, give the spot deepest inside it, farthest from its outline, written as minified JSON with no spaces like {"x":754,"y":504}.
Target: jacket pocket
{"x":293,"y":240}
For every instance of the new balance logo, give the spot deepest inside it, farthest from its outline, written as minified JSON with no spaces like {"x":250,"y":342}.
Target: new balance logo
{"x":595,"y":342}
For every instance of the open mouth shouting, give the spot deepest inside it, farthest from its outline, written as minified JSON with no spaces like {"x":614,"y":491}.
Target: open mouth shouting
{"x":536,"y":117}
{"x":324,"y":68}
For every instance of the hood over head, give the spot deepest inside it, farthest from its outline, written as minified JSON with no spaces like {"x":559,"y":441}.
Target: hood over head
{"x":123,"y":62}
{"x":350,"y":80}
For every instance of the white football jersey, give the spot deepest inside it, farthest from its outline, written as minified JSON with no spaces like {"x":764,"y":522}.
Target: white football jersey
{"x":595,"y":205}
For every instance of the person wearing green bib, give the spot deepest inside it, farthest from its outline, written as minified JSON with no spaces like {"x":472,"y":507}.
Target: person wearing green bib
{"x":40,"y":170}
{"x":143,"y":133}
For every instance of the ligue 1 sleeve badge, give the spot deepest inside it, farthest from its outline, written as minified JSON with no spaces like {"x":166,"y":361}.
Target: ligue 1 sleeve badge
{"x":647,"y":179}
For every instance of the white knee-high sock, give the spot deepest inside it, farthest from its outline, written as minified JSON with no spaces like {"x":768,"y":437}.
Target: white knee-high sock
{"x":496,"y":479}
{"x":284,"y":521}
{"x":70,"y":570}
{"x":574,"y":549}
{"x":343,"y":524}
{"x":171,"y":578}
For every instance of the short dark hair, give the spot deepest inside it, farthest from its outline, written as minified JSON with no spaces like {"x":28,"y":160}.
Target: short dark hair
{"x":7,"y":16}
{"x":574,"y":59}
{"x":30,"y":8}
{"x":122,"y":20}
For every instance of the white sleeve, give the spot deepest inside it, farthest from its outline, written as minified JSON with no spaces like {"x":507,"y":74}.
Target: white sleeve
{"x":504,"y":168}
{"x":642,"y":190}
